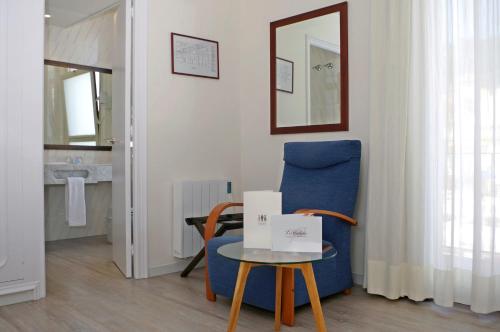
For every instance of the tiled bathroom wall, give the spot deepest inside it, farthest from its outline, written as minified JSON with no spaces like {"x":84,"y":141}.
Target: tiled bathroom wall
{"x":98,"y":202}
{"x":88,"y":43}
{"x":97,"y":199}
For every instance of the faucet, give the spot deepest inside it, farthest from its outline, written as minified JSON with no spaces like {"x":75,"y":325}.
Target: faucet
{"x":74,"y":160}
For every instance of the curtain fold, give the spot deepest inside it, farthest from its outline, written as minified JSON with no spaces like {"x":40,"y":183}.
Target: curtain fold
{"x":433,"y":230}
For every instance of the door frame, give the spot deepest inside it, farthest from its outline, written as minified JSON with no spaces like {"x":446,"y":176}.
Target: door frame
{"x":139,"y":106}
{"x":139,"y":112}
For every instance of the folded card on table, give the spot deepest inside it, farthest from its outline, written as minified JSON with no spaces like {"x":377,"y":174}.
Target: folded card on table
{"x":258,"y":207}
{"x":296,"y":233}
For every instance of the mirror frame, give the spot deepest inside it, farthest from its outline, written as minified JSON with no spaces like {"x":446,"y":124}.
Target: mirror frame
{"x":341,"y":8}
{"x":76,"y":147}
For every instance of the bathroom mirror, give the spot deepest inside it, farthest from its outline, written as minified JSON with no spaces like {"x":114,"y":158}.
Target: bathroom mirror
{"x":309,"y":72}
{"x":78,"y":107}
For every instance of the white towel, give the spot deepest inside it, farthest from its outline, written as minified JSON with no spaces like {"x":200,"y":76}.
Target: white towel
{"x":75,"y":202}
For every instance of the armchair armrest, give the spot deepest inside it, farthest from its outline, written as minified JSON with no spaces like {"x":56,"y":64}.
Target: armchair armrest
{"x":214,"y":216}
{"x":209,"y":233}
{"x":341,"y":216}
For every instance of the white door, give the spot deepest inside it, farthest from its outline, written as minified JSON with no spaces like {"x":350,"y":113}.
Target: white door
{"x":122,"y":223}
{"x":22,"y":250}
{"x":11,"y":174}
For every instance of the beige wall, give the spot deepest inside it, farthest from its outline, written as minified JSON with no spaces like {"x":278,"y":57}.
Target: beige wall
{"x":202,"y":128}
{"x":193,"y":123}
{"x":262,"y":153}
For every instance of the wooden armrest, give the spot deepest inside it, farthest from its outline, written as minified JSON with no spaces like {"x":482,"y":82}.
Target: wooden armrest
{"x":214,"y":216}
{"x":209,"y":233}
{"x":341,"y":216}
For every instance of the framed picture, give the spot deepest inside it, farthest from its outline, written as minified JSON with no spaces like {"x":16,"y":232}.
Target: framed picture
{"x":194,"y":56}
{"x":284,"y":75}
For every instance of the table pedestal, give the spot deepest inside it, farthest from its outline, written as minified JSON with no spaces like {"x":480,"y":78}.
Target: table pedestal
{"x":307,"y":272}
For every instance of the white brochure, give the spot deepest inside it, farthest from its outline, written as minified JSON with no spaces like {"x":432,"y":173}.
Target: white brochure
{"x":296,"y":233}
{"x":258,"y":207}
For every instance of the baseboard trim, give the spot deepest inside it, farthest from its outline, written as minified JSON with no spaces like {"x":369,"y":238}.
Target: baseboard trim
{"x":171,"y":268}
{"x":358,"y":279}
{"x":16,"y":293}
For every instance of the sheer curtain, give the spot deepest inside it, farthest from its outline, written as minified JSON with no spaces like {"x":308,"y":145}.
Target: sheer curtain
{"x":434,"y":178}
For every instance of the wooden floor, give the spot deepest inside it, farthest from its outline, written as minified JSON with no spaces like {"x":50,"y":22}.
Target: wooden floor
{"x":85,"y":292}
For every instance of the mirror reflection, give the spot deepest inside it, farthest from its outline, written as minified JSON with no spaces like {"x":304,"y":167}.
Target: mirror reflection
{"x":308,"y":53}
{"x":78,"y":105}
{"x":309,"y":81}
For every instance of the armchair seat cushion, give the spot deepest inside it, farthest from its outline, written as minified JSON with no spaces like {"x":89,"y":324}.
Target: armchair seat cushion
{"x":260,"y":286}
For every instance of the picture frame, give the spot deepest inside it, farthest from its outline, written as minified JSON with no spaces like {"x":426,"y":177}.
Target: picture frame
{"x":284,"y":75}
{"x":276,"y":128}
{"x":194,"y":56}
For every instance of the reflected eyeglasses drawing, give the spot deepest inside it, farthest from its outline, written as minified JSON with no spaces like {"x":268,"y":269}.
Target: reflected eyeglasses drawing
{"x":329,"y":65}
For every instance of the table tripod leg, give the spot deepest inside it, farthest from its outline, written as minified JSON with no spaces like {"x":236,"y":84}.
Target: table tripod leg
{"x":277,"y":305}
{"x":312,"y":290}
{"x":238,"y":295}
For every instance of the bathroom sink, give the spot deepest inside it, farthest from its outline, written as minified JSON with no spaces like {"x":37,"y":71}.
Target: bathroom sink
{"x":67,"y":173}
{"x":58,"y":173}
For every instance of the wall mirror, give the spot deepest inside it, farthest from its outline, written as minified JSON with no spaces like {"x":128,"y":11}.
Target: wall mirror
{"x":309,"y":72}
{"x":78,"y":107}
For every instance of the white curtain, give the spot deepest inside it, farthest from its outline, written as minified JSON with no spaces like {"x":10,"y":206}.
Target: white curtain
{"x":433,"y":226}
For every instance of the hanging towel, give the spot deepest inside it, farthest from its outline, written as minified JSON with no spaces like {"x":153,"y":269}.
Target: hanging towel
{"x":75,"y":202}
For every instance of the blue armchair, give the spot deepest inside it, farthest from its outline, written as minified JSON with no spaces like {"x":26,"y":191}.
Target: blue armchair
{"x":318,"y":177}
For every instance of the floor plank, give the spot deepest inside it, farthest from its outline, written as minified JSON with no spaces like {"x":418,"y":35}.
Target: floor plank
{"x":86,"y":292}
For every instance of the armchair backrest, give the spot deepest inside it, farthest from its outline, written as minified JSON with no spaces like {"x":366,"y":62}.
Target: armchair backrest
{"x":323,"y":175}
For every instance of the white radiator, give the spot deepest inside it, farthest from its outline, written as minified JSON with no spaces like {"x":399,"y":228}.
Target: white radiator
{"x":195,"y":199}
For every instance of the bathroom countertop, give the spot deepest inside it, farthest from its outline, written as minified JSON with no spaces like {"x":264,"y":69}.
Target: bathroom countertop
{"x":56,"y":173}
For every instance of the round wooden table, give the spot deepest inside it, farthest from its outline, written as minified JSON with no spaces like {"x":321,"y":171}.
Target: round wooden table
{"x":250,"y":258}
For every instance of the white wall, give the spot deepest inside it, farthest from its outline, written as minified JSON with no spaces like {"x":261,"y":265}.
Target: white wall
{"x":202,"y":128}
{"x":193,"y":123}
{"x":262,"y":153}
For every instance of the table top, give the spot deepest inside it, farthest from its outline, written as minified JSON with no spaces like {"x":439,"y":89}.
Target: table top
{"x":235,"y":251}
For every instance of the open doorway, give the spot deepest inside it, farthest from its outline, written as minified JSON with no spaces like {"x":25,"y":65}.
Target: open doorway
{"x":87,"y":139}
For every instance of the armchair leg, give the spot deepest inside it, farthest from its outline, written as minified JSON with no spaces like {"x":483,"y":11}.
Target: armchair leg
{"x":211,"y":295}
{"x":208,"y":290}
{"x":288,"y":297}
{"x":347,"y":291}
